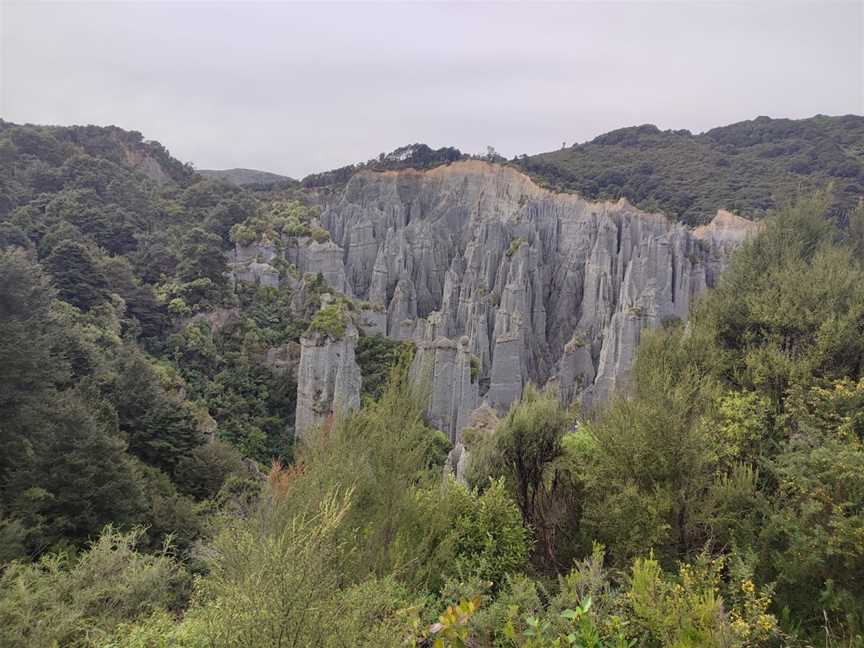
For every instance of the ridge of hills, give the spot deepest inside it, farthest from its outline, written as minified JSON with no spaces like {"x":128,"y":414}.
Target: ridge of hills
{"x":164,"y":337}
{"x":242,"y":177}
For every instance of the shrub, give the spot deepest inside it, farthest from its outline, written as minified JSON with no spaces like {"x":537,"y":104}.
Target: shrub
{"x":69,"y":601}
{"x":515,"y":244}
{"x":331,"y":321}
{"x":206,"y":468}
{"x":243,"y":603}
{"x":689,"y":610}
{"x":319,"y":235}
{"x":475,"y":368}
{"x":243,"y":234}
{"x":462,"y":533}
{"x":377,"y":355}
{"x":526,"y":450}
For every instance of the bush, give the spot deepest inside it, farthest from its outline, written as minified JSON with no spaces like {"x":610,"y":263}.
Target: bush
{"x":241,"y":603}
{"x":203,"y":472}
{"x":377,"y":355}
{"x":475,"y":368}
{"x":331,"y":321}
{"x":526,"y":450}
{"x":689,"y":611}
{"x":69,"y":601}
{"x":319,"y":235}
{"x":454,"y":532}
{"x":515,"y":244}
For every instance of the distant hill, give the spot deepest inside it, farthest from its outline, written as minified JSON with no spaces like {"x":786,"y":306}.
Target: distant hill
{"x":412,"y":156}
{"x":748,"y":167}
{"x":243,"y":177}
{"x":52,"y":145}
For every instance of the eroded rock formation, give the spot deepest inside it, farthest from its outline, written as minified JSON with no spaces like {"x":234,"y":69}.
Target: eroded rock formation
{"x":328,"y":378}
{"x":448,"y":377}
{"x":474,"y":259}
{"x":257,"y":262}
{"x":499,"y":282}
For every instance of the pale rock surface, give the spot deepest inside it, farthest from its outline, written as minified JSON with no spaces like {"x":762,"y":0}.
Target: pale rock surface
{"x":258,"y":273}
{"x":483,"y":421}
{"x":312,"y":257}
{"x":442,"y":369}
{"x":255,"y":263}
{"x":511,"y":271}
{"x":217,"y":318}
{"x":328,"y":379}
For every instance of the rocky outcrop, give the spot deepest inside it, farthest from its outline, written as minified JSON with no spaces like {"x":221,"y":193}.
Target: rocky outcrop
{"x":258,"y":273}
{"x":328,"y":378}
{"x":723,"y":234}
{"x":253,"y":263}
{"x":448,"y":377}
{"x":474,"y":259}
{"x":138,"y":158}
{"x":257,"y":262}
{"x":312,"y":257}
{"x":575,"y":371}
{"x":482,"y":423}
{"x":217,"y":318}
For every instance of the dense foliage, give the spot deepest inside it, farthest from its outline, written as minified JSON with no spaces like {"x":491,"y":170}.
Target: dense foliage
{"x":750,"y":167}
{"x":250,"y":178}
{"x":133,"y":375}
{"x":412,"y":156}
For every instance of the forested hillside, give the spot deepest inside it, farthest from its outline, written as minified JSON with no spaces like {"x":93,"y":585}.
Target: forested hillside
{"x":134,"y":378}
{"x":243,"y":177}
{"x":749,"y":167}
{"x":152,"y":494}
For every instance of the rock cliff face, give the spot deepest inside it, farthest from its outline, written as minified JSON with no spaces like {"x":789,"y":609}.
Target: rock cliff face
{"x":255,"y":263}
{"x":443,"y":370}
{"x":475,"y":260}
{"x":498,"y":281}
{"x":328,"y":378}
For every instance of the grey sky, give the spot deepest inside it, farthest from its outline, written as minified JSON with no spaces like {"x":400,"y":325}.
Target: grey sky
{"x":297,"y":88}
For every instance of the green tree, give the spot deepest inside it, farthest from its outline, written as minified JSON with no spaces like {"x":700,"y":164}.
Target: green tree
{"x":654,"y":452}
{"x":789,"y":307}
{"x":27,"y":328}
{"x":526,"y":450}
{"x":78,"y":601}
{"x":812,"y":541}
{"x":201,"y":256}
{"x":380,"y":452}
{"x":76,"y":478}
{"x":202,"y":264}
{"x":453,"y":532}
{"x":160,"y":428}
{"x":77,"y":276}
{"x":308,"y":604}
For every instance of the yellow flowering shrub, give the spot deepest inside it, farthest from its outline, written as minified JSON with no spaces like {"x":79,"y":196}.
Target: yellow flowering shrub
{"x":688,"y":611}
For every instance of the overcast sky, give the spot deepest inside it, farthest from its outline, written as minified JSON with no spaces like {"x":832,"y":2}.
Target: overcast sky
{"x":298,"y":88}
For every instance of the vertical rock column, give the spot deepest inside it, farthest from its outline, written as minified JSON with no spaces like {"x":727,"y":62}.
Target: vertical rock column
{"x":328,"y":378}
{"x":443,"y":369}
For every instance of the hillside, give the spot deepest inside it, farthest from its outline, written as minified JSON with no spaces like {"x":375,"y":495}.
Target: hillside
{"x":749,"y":167}
{"x":243,"y":177}
{"x":411,"y":156}
{"x":428,"y":400}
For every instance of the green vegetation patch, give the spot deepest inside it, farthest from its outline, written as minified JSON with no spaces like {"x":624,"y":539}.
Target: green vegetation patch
{"x":475,"y":368}
{"x":377,"y":355}
{"x":331,"y":321}
{"x":515,"y":244}
{"x":750,"y":167}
